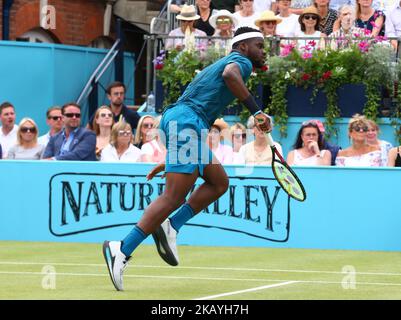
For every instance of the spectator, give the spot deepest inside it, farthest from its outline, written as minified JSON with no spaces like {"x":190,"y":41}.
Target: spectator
{"x":246,"y":16}
{"x":345,"y":28}
{"x":257,"y":152}
{"x":394,"y":157}
{"x":154,"y":150}
{"x":217,"y":133}
{"x":333,"y":148}
{"x":308,"y":148}
{"x":393,"y":23}
{"x":238,"y":139}
{"x":146,"y":123}
{"x":8,"y":130}
{"x":224,"y":23}
{"x":120,"y":147}
{"x":262,"y":5}
{"x":230,"y":5}
{"x":176,"y":5}
{"x":187,"y":30}
{"x":205,"y":13}
{"x":289,"y":25}
{"x":372,"y":139}
{"x":267,"y":23}
{"x":327,"y":16}
{"x":369,"y":19}
{"x":102,"y":124}
{"x":360,"y":153}
{"x":55,"y":121}
{"x":298,"y":6}
{"x":73,"y":142}
{"x":116,"y":95}
{"x":309,"y":21}
{"x":27,"y":146}
{"x":1,"y":152}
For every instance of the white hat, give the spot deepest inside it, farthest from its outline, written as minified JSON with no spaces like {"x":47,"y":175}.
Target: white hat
{"x":188,"y":13}
{"x":222,"y":13}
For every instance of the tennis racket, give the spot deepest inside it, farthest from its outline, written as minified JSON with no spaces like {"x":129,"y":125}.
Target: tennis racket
{"x":284,"y":175}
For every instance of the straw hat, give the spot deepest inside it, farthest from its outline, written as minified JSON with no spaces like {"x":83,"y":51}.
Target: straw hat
{"x":267,"y":16}
{"x":222,"y":13}
{"x":311,"y":9}
{"x":224,"y":128}
{"x":188,"y":13}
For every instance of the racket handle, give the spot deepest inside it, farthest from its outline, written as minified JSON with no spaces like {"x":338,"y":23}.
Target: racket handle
{"x":270,"y":141}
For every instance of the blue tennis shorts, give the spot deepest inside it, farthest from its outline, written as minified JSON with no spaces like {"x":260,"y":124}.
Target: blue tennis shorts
{"x":185,"y":139}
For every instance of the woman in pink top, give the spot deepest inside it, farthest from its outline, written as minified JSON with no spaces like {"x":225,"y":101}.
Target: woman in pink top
{"x":154,"y":150}
{"x":308,"y":147}
{"x":217,"y":132}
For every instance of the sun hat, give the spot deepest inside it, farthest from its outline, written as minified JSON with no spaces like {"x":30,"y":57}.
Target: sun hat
{"x":188,"y":13}
{"x":222,"y":13}
{"x":267,"y":16}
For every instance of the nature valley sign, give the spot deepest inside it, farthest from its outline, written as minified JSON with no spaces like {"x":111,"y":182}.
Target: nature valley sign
{"x":81,"y":202}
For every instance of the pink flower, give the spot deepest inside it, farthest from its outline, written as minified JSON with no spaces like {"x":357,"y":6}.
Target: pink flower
{"x":363,"y":46}
{"x":287,"y":49}
{"x":306,"y":55}
{"x":312,"y":43}
{"x":357,"y":35}
{"x":367,"y":32}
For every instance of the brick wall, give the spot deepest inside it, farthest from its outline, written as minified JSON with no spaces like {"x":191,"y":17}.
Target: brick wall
{"x":78,"y":22}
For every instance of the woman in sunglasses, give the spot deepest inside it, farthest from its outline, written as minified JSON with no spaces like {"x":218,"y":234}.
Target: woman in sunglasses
{"x":120,"y":148}
{"x":360,"y":153}
{"x":27,"y":147}
{"x":145,"y":124}
{"x":224,"y":23}
{"x":102,"y":124}
{"x":154,"y":151}
{"x":238,"y":139}
{"x":309,"y":22}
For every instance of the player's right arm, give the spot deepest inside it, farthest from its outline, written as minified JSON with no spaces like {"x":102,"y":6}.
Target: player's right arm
{"x":233,"y":79}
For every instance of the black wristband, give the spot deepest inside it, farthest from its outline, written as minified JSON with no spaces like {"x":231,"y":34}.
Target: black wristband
{"x":251,"y":104}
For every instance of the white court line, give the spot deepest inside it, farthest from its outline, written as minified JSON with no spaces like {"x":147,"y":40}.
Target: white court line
{"x":196,"y":268}
{"x":247,"y":290}
{"x":196,"y":278}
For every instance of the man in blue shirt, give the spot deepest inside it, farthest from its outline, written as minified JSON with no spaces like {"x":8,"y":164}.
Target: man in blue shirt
{"x":72,"y":142}
{"x":186,"y":124}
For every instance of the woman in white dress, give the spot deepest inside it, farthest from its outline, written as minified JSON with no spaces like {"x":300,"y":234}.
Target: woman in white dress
{"x":121,"y":148}
{"x":360,"y":153}
{"x":372,"y":138}
{"x":246,"y":16}
{"x":309,"y":22}
{"x":308,"y":148}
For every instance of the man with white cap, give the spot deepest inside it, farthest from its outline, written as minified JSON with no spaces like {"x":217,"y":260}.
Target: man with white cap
{"x":186,"y":124}
{"x":187,"y":19}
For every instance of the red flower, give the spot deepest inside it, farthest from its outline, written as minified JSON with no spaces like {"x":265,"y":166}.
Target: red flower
{"x":158,"y":66}
{"x":306,"y":77}
{"x":264,"y":68}
{"x":326,"y":75}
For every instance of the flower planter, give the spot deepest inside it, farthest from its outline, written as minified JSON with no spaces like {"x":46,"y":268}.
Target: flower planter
{"x":299,"y":102}
{"x":351,"y":99}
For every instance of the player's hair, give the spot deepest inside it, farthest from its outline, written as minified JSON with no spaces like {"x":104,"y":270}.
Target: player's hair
{"x":241,"y":31}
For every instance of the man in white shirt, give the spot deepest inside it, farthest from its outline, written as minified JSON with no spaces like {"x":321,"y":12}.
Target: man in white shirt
{"x":8,"y":130}
{"x":54,"y":120}
{"x":289,"y":25}
{"x":393,"y":23}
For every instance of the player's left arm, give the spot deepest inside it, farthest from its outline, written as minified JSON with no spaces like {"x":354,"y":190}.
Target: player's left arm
{"x":233,"y":79}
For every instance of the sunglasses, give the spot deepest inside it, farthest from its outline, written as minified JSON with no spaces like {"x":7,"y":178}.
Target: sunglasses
{"x":72,"y":115}
{"x":148,"y":125}
{"x":239,"y":135}
{"x":223,"y":20}
{"x":104,"y":115}
{"x":358,"y":128}
{"x":310,"y":16}
{"x":247,"y":0}
{"x":28,"y":129}
{"x":123,"y":133}
{"x":55,"y":118}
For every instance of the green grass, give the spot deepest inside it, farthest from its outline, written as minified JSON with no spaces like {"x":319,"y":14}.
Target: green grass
{"x":203,"y":271}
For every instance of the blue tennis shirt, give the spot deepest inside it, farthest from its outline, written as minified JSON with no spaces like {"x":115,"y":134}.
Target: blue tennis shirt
{"x":208,"y":94}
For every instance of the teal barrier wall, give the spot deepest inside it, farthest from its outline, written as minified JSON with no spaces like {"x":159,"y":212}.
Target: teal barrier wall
{"x":37,"y":76}
{"x":90,"y":202}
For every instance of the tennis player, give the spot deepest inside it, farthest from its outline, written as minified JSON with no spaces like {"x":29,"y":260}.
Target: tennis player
{"x":185,"y":124}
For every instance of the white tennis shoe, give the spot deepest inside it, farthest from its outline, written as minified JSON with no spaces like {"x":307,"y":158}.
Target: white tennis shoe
{"x":116,"y":262}
{"x":166,"y":243}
